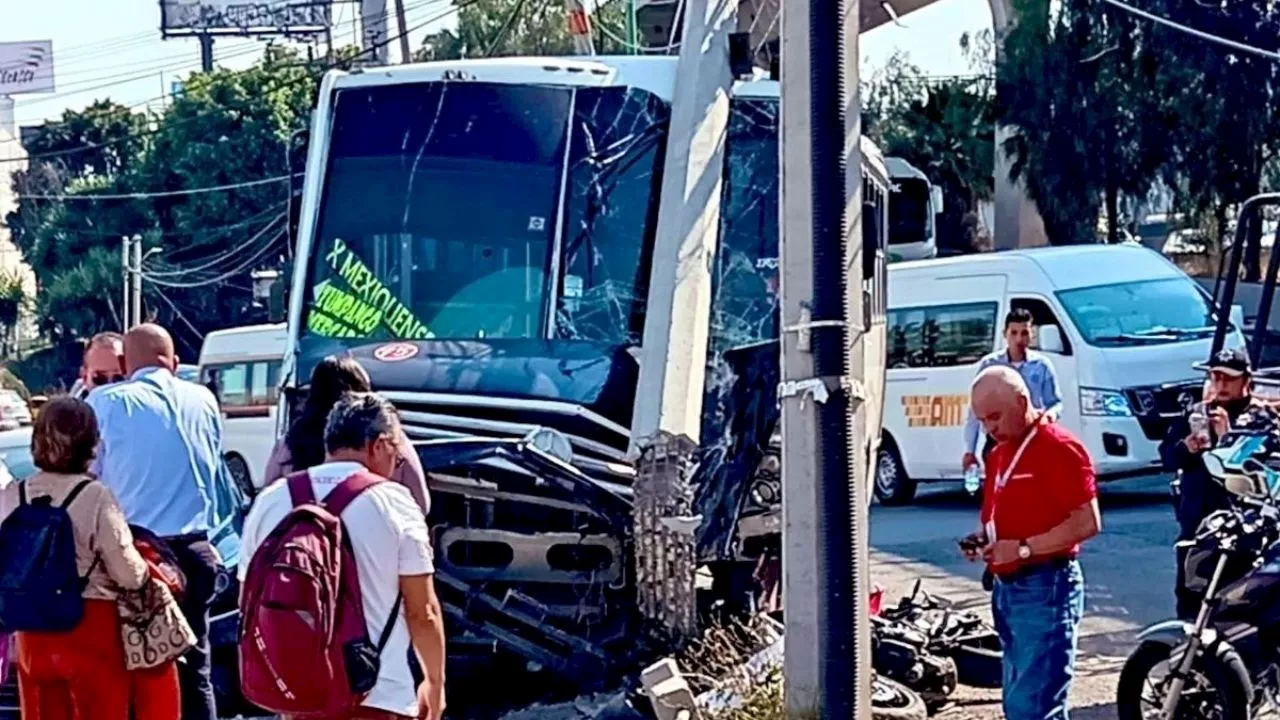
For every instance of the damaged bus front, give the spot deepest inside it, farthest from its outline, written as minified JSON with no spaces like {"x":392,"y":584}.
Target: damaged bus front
{"x":479,"y":235}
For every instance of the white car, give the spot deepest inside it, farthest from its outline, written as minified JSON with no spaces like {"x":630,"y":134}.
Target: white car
{"x":14,"y":411}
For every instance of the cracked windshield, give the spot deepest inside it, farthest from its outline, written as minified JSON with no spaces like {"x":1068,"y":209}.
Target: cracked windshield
{"x":466,"y":210}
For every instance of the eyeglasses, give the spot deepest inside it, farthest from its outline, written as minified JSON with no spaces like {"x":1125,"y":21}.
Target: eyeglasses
{"x":100,"y":379}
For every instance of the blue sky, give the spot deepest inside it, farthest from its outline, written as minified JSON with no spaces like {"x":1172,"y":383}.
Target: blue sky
{"x":112,"y":48}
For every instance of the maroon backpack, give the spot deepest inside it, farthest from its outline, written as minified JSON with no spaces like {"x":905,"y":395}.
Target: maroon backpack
{"x":304,"y":646}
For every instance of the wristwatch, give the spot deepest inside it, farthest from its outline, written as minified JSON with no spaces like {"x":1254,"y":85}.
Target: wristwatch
{"x":1024,"y":551}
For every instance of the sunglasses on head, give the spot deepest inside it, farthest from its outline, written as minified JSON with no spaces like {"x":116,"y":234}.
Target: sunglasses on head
{"x":107,"y":379}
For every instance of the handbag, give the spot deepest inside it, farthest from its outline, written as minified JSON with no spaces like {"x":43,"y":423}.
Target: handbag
{"x":152,"y":626}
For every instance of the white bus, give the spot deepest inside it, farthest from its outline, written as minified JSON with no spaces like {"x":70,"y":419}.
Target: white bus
{"x":914,"y":206}
{"x":242,"y":368}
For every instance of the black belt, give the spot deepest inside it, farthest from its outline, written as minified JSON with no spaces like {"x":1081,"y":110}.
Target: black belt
{"x":1058,"y":563}
{"x":187,"y":539}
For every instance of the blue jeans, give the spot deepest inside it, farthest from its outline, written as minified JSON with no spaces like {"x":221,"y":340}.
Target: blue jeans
{"x":1037,"y":614}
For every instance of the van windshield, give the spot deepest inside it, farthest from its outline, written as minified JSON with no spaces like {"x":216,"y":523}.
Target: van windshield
{"x":1146,"y":312}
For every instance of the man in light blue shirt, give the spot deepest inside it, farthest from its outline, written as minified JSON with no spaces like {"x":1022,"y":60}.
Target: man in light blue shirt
{"x":161,"y":453}
{"x":1035,"y":368}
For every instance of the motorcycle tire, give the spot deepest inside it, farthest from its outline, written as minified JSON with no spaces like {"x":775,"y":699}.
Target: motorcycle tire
{"x":1225,"y":673}
{"x":892,"y":700}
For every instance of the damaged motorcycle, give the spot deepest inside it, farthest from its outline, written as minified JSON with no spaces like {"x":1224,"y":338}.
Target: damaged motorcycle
{"x":928,"y":645}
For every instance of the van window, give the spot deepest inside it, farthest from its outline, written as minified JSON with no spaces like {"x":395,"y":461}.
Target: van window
{"x":1146,"y":312}
{"x":243,"y":384}
{"x":1042,"y":315}
{"x":941,"y":336}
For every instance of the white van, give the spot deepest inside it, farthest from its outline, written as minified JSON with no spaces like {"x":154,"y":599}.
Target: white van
{"x":1122,"y":325}
{"x":242,"y":368}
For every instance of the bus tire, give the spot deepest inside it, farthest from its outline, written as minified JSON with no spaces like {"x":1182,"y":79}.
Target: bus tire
{"x":892,"y":485}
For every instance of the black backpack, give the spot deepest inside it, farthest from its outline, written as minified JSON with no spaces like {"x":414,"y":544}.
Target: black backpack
{"x":40,"y":585}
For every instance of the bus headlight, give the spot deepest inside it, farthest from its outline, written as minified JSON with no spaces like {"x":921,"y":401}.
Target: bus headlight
{"x":552,"y":442}
{"x":1104,"y":403}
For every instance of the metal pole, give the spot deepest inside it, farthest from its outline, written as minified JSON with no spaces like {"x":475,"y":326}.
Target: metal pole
{"x":206,"y":53}
{"x":136,"y":274}
{"x":827,"y":669}
{"x":403,"y":26}
{"x":125,"y":280}
{"x":633,"y":42}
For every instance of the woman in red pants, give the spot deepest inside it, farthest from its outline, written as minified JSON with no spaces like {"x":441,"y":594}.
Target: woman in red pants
{"x":80,"y":674}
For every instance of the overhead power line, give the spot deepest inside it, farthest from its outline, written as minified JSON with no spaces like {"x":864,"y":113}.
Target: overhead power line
{"x":248,"y":263}
{"x":220,"y":259}
{"x":164,"y":193}
{"x":1227,"y":42}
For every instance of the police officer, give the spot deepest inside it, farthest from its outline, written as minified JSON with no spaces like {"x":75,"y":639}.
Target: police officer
{"x":1228,"y":404}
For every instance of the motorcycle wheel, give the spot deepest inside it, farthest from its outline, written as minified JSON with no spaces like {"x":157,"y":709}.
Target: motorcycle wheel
{"x":892,"y":700}
{"x":1224,"y":680}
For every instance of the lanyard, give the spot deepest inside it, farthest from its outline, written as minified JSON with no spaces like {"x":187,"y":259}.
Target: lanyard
{"x":1003,"y":477}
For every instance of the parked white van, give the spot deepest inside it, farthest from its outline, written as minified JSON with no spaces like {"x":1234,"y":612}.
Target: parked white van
{"x":1121,"y":324}
{"x":242,"y":368}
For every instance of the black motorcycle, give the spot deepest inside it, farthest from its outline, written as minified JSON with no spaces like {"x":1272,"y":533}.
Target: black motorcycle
{"x":1226,"y":664}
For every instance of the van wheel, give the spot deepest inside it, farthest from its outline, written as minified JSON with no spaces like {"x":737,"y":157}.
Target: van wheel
{"x":893,"y":487}
{"x":239,"y":470}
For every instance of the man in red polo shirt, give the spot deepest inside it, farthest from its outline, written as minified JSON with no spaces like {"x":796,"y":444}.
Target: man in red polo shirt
{"x":1040,"y":502}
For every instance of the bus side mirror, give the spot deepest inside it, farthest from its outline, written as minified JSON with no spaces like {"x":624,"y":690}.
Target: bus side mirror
{"x":1050,"y":337}
{"x":937,"y":200}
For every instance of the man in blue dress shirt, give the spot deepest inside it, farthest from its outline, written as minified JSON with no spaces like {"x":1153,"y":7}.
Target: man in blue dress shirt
{"x":1034,"y":367}
{"x":160,"y":453}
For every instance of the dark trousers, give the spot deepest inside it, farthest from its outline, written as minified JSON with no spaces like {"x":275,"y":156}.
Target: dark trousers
{"x":1186,"y":602}
{"x":199,"y":562}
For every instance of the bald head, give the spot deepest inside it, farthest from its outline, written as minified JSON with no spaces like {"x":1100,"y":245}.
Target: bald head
{"x":149,"y":345}
{"x":1002,"y":403}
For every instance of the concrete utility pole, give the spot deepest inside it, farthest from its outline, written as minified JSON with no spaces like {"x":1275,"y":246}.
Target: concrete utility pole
{"x":403,"y":28}
{"x":373,"y":35}
{"x":824,"y":560}
{"x":126,"y":280}
{"x":668,"y":407}
{"x":137,"y":280}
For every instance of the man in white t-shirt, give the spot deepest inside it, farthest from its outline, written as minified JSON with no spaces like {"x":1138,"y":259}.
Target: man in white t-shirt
{"x":392,"y":551}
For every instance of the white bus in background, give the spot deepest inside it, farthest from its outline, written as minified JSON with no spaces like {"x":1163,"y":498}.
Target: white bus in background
{"x":914,"y":206}
{"x":242,"y":368}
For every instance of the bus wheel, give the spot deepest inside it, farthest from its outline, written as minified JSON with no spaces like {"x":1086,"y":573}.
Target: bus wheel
{"x":893,"y":487}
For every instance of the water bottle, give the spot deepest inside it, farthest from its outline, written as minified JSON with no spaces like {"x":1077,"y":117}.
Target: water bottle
{"x":972,"y":479}
{"x":1199,"y":423}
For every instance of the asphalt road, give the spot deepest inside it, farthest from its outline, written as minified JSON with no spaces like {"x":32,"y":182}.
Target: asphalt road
{"x":1128,"y":576}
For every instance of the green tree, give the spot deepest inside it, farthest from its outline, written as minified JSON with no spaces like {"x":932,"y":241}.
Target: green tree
{"x":945,"y":127}
{"x":226,"y":129}
{"x":1078,"y":89}
{"x":494,"y":28}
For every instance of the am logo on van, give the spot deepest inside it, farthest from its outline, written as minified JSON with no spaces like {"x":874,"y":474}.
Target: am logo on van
{"x":934,"y":410}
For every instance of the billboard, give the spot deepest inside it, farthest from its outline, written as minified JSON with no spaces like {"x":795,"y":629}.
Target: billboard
{"x":26,"y":67}
{"x":243,"y":17}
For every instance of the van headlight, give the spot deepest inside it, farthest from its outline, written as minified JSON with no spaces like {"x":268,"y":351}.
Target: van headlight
{"x":1104,"y":403}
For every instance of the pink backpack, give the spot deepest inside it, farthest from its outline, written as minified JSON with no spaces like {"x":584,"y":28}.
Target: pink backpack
{"x":304,"y":646}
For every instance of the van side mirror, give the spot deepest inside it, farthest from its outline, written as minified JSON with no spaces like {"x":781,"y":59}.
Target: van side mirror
{"x":937,"y":200}
{"x":1050,"y":337}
